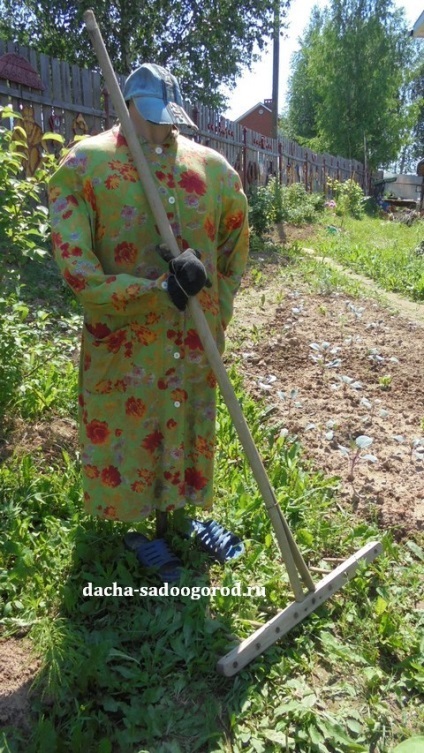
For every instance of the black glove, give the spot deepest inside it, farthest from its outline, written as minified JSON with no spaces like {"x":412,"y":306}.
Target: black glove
{"x":187,"y":277}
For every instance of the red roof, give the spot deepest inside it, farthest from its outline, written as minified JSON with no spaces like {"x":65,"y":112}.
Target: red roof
{"x":18,"y":70}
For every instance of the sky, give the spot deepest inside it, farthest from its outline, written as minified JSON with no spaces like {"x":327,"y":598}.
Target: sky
{"x":255,"y":86}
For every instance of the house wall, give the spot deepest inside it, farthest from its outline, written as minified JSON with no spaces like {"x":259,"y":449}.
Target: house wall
{"x":257,"y":122}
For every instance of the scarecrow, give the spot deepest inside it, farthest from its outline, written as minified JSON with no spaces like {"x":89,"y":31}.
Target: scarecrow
{"x":147,"y":394}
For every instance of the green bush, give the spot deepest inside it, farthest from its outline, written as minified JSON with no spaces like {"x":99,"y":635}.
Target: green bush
{"x":275,"y":203}
{"x":24,"y":229}
{"x":298,"y":206}
{"x":349,"y":197}
{"x":261,"y":210}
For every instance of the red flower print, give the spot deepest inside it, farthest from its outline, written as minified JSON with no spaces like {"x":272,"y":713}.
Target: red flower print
{"x":152,"y":441}
{"x":165,"y":177}
{"x":110,"y":279}
{"x":76,"y":282}
{"x":195,"y":479}
{"x":211,"y":379}
{"x":147,"y":476}
{"x":174,"y":478}
{"x":192,"y":340}
{"x":110,"y":476}
{"x":81,"y":400}
{"x":191,"y":182}
{"x":91,"y":471}
{"x":76,"y":251}
{"x":144,"y":335}
{"x":207,"y":302}
{"x":104,"y":387}
{"x":129,"y":173}
{"x":204,"y":447}
{"x":112,"y":181}
{"x":115,"y":341}
{"x":180,"y":395}
{"x":233,"y":221}
{"x":210,"y":228}
{"x":97,"y":431}
{"x":171,"y":424}
{"x":87,"y":361}
{"x":175,"y":336}
{"x":89,"y":195}
{"x":99,"y":330}
{"x":67,"y":215}
{"x":118,"y":432}
{"x":135,"y":407}
{"x":120,"y":300}
{"x":109,"y":512}
{"x":64,"y":247}
{"x":125,"y":253}
{"x":152,"y":318}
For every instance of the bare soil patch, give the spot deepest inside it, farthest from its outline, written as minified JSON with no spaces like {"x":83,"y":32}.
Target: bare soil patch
{"x":19,"y":668}
{"x":46,"y":439}
{"x":382,"y":352}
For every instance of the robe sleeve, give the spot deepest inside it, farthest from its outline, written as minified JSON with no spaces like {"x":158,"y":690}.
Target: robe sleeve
{"x":233,"y":244}
{"x":73,"y":223}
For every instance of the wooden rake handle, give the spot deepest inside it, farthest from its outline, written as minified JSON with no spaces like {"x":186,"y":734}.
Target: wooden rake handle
{"x":291,"y":555}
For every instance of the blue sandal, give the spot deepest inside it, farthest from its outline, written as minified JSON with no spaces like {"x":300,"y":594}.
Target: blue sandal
{"x":155,"y":554}
{"x":214,"y":539}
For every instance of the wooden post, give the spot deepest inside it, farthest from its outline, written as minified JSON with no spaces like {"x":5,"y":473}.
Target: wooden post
{"x":244,"y":152}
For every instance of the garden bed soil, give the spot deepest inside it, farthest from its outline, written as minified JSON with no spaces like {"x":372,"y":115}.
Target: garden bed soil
{"x":382,"y":350}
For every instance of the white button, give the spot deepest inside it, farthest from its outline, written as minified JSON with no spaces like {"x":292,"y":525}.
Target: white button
{"x":171,"y":200}
{"x":177,"y":404}
{"x":158,"y":150}
{"x":177,"y":355}
{"x":164,"y":285}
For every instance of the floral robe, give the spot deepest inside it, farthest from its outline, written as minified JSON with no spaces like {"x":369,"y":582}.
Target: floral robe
{"x":147,"y":392}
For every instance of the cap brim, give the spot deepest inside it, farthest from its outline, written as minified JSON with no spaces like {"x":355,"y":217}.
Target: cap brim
{"x":154,"y":110}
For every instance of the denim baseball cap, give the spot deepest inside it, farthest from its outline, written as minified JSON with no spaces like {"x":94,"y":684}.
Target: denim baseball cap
{"x":157,"y":96}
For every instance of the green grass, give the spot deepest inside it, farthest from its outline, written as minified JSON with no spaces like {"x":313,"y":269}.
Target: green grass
{"x":381,"y":250}
{"x":138,"y":674}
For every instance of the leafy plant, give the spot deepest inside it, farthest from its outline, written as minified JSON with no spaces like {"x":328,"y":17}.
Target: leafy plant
{"x":356,"y":453}
{"x":385,"y":382}
{"x":322,"y":355}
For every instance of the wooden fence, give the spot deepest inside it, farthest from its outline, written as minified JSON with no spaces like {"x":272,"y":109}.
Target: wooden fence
{"x":68,"y":100}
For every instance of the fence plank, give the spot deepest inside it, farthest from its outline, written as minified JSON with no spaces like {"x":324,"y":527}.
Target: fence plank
{"x":70,"y":90}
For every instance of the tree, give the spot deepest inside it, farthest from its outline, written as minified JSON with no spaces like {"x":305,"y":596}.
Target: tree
{"x":303,"y":97}
{"x":356,"y":60}
{"x":413,"y":94}
{"x":205,"y":44}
